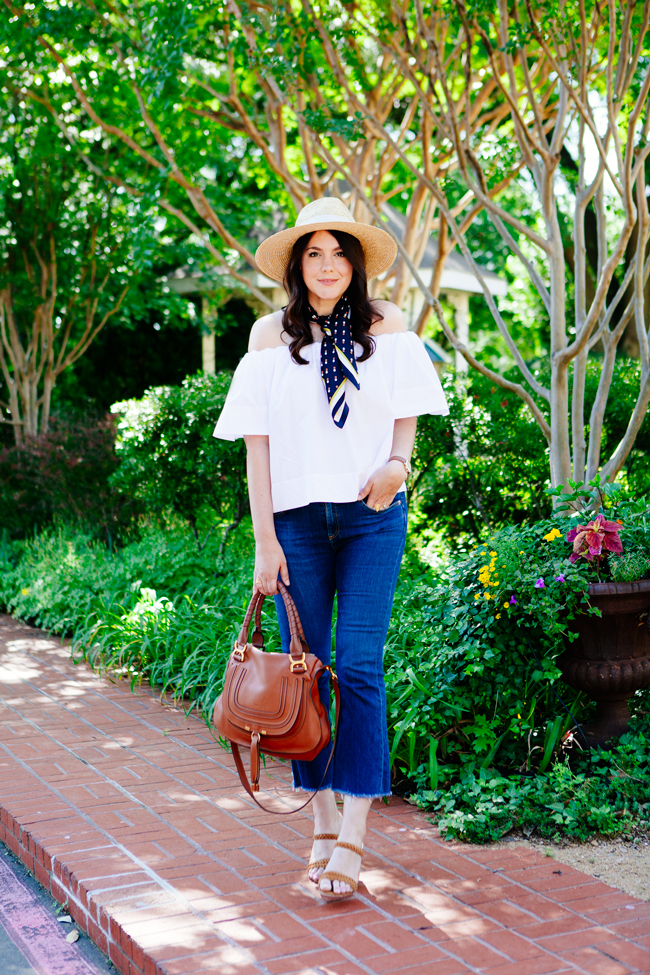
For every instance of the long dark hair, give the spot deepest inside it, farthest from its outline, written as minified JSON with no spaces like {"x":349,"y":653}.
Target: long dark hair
{"x":295,"y":319}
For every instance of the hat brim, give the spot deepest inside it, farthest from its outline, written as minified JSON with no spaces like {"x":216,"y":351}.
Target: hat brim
{"x":379,"y":248}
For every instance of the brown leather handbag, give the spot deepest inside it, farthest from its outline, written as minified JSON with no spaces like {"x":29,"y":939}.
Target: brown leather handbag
{"x":270,"y":701}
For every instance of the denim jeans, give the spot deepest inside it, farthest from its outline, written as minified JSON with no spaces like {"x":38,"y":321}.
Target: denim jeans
{"x":354,"y":552}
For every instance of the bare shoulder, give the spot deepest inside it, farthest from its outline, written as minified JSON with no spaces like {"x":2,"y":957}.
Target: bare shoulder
{"x":393,"y":320}
{"x":266,"y":333}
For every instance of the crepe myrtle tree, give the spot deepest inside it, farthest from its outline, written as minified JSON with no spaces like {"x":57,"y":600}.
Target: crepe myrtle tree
{"x":576,"y":79}
{"x":567,"y":115}
{"x":232,"y":112}
{"x":62,"y":273}
{"x":76,"y":255}
{"x":437,"y":109}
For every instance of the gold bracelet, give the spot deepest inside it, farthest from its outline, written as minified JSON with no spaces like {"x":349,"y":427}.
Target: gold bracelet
{"x":402,"y":460}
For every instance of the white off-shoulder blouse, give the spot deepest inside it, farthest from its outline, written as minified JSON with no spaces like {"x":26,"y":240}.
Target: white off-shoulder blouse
{"x":311,"y":458}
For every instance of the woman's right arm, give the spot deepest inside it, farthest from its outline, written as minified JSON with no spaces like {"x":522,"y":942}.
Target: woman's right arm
{"x":269,"y":557}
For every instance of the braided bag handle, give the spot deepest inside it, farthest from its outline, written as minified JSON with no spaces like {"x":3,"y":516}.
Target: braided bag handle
{"x":298,"y":644}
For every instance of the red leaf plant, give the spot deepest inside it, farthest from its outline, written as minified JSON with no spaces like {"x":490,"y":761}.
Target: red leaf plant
{"x":590,"y":540}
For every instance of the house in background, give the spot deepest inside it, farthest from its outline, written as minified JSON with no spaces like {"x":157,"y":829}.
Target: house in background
{"x":457,"y":284}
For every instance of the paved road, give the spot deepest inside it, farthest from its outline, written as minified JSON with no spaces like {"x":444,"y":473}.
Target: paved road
{"x":32,"y":941}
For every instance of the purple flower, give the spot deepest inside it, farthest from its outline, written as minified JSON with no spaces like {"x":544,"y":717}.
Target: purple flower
{"x":559,"y":578}
{"x":540,"y":584}
{"x":513,"y":601}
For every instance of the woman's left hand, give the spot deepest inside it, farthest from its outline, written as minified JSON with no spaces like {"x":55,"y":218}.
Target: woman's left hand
{"x":380,"y":490}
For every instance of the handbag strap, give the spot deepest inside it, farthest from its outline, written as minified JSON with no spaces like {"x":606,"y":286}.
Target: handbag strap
{"x":255,"y":758}
{"x":298,"y":645}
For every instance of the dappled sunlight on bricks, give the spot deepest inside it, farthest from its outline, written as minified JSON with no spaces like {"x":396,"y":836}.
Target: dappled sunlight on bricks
{"x":126,"y":808}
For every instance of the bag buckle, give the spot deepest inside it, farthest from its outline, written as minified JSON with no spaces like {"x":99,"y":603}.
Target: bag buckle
{"x":295,"y":664}
{"x":239,"y":652}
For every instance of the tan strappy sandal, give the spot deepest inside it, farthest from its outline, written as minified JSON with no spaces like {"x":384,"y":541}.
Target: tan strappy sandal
{"x":316,"y":864}
{"x":330,"y":895}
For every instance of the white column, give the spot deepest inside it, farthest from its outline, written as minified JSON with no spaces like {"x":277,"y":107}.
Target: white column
{"x":207,"y":337}
{"x":460,"y":301}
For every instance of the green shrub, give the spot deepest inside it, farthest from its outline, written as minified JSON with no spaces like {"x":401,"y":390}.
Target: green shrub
{"x":464,"y":686}
{"x":64,"y":475}
{"x":472,"y":678}
{"x":61,"y":577}
{"x":171,"y":462}
{"x":486,"y":466}
{"x":109,"y":603}
{"x":607,"y":794}
{"x":179,"y":646}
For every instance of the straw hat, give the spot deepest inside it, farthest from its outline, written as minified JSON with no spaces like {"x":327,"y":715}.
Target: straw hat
{"x":328,"y":213}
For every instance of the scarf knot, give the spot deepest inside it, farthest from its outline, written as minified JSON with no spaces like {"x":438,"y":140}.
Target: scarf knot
{"x":337,"y":359}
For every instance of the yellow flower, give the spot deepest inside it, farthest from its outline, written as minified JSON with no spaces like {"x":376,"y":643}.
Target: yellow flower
{"x":495,"y":583}
{"x":519,"y":716}
{"x":25,"y":592}
{"x":505,"y":605}
{"x":493,"y":554}
{"x":498,"y":616}
{"x":554,"y":533}
{"x":476,"y":596}
{"x":488,"y":596}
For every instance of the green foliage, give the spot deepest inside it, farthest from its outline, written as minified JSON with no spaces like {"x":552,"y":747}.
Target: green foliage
{"x":171,"y":462}
{"x":109,"y":602}
{"x":472,"y":651}
{"x":607,"y":795}
{"x":630,"y":567}
{"x":48,"y":199}
{"x":484,"y":466}
{"x":58,"y":578}
{"x":179,"y":646}
{"x":75,"y":257}
{"x":459,"y":666}
{"x":465,"y":695}
{"x":334,"y":123}
{"x":176,"y":54}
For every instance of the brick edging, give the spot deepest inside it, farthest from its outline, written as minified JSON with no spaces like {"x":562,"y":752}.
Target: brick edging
{"x":95,"y":922}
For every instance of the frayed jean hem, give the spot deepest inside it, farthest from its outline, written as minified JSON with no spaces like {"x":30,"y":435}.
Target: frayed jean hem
{"x":340,"y":792}
{"x":361,"y":795}
{"x":301,"y":788}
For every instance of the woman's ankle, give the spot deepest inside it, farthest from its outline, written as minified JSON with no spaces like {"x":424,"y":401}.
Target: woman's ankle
{"x":327,"y":818}
{"x":355,"y":825}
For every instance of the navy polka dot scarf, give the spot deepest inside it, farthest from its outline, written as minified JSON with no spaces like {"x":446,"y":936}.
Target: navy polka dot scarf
{"x":337,"y":360}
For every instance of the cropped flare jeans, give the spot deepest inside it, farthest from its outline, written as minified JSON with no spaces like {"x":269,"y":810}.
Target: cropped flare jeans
{"x":354,"y":552}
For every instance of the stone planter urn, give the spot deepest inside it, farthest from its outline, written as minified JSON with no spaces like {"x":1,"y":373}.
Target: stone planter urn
{"x":610,"y":660}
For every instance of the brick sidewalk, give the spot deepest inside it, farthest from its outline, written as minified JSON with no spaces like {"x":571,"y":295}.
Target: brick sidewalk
{"x":134,"y":814}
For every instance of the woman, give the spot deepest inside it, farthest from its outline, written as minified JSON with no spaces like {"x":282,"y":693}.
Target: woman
{"x":327,"y":400}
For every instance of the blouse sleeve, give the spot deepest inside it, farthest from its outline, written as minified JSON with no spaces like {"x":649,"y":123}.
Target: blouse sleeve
{"x":246,"y":410}
{"x":416,"y":386}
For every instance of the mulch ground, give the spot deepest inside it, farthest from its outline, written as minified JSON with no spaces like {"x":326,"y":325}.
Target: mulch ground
{"x":133,"y":814}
